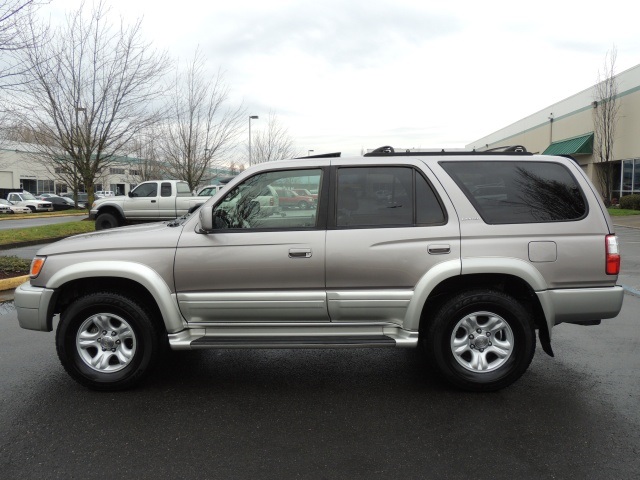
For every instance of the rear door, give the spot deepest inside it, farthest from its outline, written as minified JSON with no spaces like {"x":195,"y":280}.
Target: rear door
{"x":389,"y":225}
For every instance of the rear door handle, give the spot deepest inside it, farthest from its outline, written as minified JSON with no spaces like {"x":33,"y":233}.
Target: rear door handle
{"x":299,"y":253}
{"x":439,"y":249}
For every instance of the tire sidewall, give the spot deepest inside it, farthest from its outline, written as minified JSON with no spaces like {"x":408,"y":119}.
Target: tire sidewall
{"x":105,"y":221}
{"x":85,"y":307}
{"x":520,"y":323}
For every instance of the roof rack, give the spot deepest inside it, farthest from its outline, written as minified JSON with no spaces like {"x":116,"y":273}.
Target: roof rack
{"x":388,"y":151}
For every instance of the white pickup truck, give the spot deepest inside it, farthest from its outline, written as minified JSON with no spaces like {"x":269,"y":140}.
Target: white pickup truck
{"x":152,"y":201}
{"x":25,"y":199}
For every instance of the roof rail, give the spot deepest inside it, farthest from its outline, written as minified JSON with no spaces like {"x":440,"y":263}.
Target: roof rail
{"x":388,"y":151}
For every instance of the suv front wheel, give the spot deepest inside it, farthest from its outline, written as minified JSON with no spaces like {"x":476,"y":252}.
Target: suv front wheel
{"x":480,"y":340}
{"x":107,"y":341}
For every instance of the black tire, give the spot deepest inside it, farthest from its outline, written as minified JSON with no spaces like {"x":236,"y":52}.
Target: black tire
{"x":131,"y":335}
{"x":482,"y":362}
{"x":106,"y":220}
{"x":303,"y":205}
{"x":33,"y":209}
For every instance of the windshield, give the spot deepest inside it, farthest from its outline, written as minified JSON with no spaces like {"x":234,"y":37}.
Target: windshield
{"x":28,"y":196}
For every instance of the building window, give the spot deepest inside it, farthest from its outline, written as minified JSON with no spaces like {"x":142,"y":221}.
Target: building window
{"x":45,"y":186}
{"x":116,"y":171}
{"x":628,"y":173}
{"x":134,"y":172}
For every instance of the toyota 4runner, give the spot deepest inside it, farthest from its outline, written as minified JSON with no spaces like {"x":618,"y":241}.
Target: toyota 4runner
{"x":465,"y":256}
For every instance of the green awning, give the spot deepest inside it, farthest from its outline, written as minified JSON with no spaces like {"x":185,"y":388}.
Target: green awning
{"x":582,"y":145}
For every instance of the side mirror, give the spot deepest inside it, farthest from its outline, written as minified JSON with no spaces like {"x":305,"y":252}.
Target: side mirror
{"x":205,"y":214}
{"x":130,"y":194}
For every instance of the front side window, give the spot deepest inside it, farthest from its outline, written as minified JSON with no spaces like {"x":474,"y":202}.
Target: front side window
{"x":519,"y":192}
{"x":146,"y":190}
{"x":256,"y":203}
{"x":385,"y":196}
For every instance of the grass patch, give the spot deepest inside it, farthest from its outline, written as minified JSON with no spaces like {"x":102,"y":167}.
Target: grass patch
{"x":13,"y":265}
{"x":45,"y":232}
{"x":622,"y":212}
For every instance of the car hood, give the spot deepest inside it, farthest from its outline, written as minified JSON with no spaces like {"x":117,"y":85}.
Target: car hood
{"x":147,"y":236}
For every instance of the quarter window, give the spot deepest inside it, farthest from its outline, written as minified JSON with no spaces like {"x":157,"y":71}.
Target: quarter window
{"x":519,"y":192}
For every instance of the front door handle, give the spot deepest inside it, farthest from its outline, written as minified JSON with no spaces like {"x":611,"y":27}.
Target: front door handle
{"x":299,"y":253}
{"x":153,"y":201}
{"x":439,"y":249}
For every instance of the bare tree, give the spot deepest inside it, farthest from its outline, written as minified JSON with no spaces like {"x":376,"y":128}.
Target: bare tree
{"x":200,"y":128}
{"x":272,"y":143}
{"x":146,"y":150}
{"x":14,"y":16}
{"x":87,"y":92}
{"x":605,"y":116}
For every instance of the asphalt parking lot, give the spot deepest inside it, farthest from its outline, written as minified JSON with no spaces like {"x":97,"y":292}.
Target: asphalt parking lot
{"x":353,"y":414}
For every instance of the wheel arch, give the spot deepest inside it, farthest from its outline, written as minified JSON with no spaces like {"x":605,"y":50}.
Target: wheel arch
{"x":512,"y":285}
{"x":116,"y":210}
{"x":134,"y":280}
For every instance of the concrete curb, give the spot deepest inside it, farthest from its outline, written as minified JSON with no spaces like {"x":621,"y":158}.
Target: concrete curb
{"x":11,"y":283}
{"x":28,"y":215}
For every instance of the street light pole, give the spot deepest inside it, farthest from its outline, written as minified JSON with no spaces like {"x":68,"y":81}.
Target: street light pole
{"x":252,"y":117}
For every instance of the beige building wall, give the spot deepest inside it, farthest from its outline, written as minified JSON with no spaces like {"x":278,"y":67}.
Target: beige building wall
{"x":573,"y":117}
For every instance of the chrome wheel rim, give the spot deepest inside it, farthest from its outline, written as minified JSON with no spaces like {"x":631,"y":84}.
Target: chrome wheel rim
{"x":482,"y":342}
{"x":106,"y":343}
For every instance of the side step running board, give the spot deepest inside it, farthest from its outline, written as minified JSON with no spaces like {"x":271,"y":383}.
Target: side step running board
{"x":294,"y":341}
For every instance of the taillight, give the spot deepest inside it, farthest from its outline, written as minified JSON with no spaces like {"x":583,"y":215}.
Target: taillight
{"x":613,"y":255}
{"x":271,"y":201}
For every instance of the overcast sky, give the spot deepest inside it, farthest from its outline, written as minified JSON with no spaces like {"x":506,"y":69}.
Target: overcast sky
{"x":356,"y":74}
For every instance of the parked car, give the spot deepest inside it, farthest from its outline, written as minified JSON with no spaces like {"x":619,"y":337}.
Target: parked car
{"x":473,"y":284}
{"x":307,"y":193}
{"x":209,"y":190}
{"x":8,"y":207}
{"x":62,"y":203}
{"x":290,"y":199}
{"x":46,"y":196}
{"x":83,"y":198}
{"x":26,"y":199}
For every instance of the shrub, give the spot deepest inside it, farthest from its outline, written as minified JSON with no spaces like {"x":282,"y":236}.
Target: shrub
{"x":631,"y":202}
{"x":14,"y":265}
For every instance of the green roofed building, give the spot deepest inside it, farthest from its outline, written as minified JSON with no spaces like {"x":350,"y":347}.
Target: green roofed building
{"x":567,"y":128}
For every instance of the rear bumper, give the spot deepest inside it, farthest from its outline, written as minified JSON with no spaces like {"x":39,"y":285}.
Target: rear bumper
{"x":581,"y":305}
{"x":32,"y":306}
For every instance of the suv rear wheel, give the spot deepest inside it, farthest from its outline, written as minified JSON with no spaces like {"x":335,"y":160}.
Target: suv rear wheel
{"x":107,"y":341}
{"x":481,"y":340}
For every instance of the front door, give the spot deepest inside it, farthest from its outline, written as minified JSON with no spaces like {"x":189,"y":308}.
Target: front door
{"x":142,"y":202}
{"x":257,"y":265}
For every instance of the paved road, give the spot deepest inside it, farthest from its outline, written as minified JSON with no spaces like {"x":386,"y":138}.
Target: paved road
{"x":38,"y":221}
{"x":353,"y":414}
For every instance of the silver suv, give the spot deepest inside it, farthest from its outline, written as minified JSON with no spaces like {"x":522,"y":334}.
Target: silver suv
{"x":464,"y":256}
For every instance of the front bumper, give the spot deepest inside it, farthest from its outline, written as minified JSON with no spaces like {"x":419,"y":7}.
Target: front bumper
{"x":32,"y":307}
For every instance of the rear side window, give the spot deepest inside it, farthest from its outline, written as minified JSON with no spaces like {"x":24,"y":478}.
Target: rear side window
{"x":385,"y":196}
{"x":519,"y":192}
